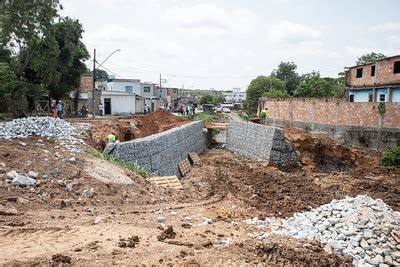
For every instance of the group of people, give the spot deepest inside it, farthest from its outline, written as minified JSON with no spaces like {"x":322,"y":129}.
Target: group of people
{"x":57,"y":108}
{"x":189,"y":110}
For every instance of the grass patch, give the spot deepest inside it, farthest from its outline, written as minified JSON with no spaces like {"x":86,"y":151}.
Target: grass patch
{"x":391,"y":157}
{"x":206,"y":117}
{"x":144,"y":172}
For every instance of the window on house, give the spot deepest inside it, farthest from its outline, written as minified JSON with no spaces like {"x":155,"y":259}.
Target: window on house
{"x":146,"y":89}
{"x":373,"y":70}
{"x":128,"y":89}
{"x":396,"y":68}
{"x":370,"y":97}
{"x":359,"y":73}
{"x":351,"y":99}
{"x":382,"y":97}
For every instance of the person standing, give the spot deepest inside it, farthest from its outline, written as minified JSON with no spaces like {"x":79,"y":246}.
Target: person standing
{"x":60,"y":109}
{"x":264,"y":115}
{"x":194,"y":110}
{"x":54,"y":109}
{"x":101,"y":109}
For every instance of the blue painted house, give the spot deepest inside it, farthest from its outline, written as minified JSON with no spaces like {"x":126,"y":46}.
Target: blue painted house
{"x":376,"y":82}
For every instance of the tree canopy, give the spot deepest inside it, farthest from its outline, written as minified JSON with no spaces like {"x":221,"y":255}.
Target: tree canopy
{"x":43,"y":52}
{"x":370,"y":58}
{"x":258,"y":87}
{"x":210,"y":99}
{"x":286,"y":72}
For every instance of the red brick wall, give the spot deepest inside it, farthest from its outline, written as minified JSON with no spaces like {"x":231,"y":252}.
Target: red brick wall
{"x":383,"y":74}
{"x":86,"y":83}
{"x":323,"y":111}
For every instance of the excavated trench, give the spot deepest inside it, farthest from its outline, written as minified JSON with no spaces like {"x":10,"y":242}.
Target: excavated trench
{"x":321,"y":154}
{"x":129,"y":128}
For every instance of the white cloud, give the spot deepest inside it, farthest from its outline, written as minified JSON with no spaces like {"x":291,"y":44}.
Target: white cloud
{"x":203,"y":19}
{"x":289,"y":33}
{"x":392,"y":26}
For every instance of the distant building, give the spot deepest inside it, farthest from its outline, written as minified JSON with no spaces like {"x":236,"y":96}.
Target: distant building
{"x":376,"y":82}
{"x":236,"y":95}
{"x":124,"y":85}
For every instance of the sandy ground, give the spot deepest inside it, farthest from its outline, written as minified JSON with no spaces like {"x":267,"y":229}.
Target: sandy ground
{"x":125,"y":221}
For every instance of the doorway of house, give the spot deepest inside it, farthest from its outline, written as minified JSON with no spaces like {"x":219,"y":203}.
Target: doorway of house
{"x":107,"y":106}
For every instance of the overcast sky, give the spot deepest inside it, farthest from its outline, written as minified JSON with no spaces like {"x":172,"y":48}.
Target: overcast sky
{"x":226,"y":43}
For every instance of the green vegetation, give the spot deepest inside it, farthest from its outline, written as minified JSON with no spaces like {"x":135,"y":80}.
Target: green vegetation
{"x":285,"y":82}
{"x":206,"y":117}
{"x":370,"y":58}
{"x":286,"y":72}
{"x":144,"y":172}
{"x":210,"y":99}
{"x":313,"y":85}
{"x":214,"y":133}
{"x":258,"y":87}
{"x":276,"y":93}
{"x":41,"y":53}
{"x":391,"y":157}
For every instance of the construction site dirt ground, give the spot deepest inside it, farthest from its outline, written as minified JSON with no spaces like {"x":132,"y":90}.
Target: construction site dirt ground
{"x":54,"y":223}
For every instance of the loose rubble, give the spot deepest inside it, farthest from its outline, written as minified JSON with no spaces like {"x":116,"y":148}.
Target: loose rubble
{"x":365,"y":228}
{"x":44,"y":127}
{"x":20,"y":180}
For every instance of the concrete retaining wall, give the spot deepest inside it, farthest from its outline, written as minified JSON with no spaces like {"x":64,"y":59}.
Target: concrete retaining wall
{"x":260,"y":142}
{"x":161,"y":153}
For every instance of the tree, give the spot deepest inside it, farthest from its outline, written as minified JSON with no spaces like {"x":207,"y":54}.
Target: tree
{"x":24,"y":27}
{"x":69,"y":64}
{"x":276,"y":93}
{"x":218,"y":99}
{"x":370,"y":58}
{"x":101,"y":75}
{"x":286,"y":72}
{"x":258,"y":87}
{"x":206,"y":99}
{"x":312,"y":85}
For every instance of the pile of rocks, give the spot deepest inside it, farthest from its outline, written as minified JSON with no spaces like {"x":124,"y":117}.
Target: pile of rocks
{"x":44,"y":127}
{"x":367,"y":229}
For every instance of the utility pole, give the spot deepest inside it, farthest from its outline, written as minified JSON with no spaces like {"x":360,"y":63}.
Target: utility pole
{"x":161,"y":92}
{"x":94,"y":81}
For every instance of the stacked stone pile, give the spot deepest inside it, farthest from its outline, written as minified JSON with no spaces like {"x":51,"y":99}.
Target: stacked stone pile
{"x":365,"y":228}
{"x":44,"y":127}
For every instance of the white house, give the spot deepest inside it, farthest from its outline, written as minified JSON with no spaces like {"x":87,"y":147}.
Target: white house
{"x":235,"y":95}
{"x":121,"y":103}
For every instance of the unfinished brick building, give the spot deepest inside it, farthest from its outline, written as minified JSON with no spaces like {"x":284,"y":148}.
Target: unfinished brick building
{"x":376,"y":82}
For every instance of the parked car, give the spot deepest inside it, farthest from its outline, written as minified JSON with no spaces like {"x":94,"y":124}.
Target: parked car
{"x":226,"y":110}
{"x":218,"y":110}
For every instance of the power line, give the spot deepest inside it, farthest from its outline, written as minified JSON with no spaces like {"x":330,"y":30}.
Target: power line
{"x":187,"y":76}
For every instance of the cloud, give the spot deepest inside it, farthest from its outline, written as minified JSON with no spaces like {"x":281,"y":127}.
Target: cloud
{"x":289,"y":33}
{"x":203,"y":19}
{"x":388,"y":27}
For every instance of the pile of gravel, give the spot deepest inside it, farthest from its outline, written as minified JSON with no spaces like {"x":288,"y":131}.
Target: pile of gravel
{"x":44,"y":127}
{"x":363,"y":227}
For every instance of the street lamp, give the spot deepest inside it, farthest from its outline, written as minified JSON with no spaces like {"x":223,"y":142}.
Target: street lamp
{"x":94,"y":76}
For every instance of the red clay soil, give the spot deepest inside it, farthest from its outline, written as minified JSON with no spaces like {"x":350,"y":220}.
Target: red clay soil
{"x":129,"y":128}
{"x":272,"y":192}
{"x":320,"y":153}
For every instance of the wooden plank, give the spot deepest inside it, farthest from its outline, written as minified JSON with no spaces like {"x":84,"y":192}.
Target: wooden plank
{"x":194,"y":157}
{"x":166,"y":181}
{"x":184,"y":167}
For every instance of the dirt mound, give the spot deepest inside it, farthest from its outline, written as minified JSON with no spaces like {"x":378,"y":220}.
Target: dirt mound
{"x":168,"y":233}
{"x":290,"y":252}
{"x":320,"y":153}
{"x":275,"y":193}
{"x":129,"y":128}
